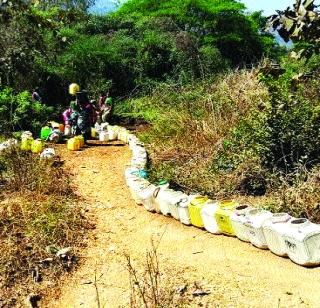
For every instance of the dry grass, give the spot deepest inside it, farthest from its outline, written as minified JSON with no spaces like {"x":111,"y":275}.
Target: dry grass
{"x":193,"y":125}
{"x":186,"y":142}
{"x":157,"y":286}
{"x":37,"y":209}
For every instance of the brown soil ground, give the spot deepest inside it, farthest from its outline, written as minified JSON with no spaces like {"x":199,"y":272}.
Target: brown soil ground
{"x":237,"y":274}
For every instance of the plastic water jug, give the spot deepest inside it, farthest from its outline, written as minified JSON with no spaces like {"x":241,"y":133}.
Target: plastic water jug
{"x":134,"y":173}
{"x":254,"y":223}
{"x":238,"y":219}
{"x":103,"y":136}
{"x":146,"y":195}
{"x":94,"y":133}
{"x":80,"y":139}
{"x":302,"y":239}
{"x":208,"y":217}
{"x":123,"y":135}
{"x":174,"y":201}
{"x":55,"y":125}
{"x":183,"y":210}
{"x":74,"y":88}
{"x":195,"y":207}
{"x":131,"y":173}
{"x":139,"y":151}
{"x":136,"y":187}
{"x":73,"y":144}
{"x":163,"y":184}
{"x":45,"y":132}
{"x":26,"y":144}
{"x":48,"y":153}
{"x":113,"y":132}
{"x":112,"y":135}
{"x":139,"y":162}
{"x":163,"y":199}
{"x":274,"y":229}
{"x":36,"y":146}
{"x":222,"y":216}
{"x":67,"y":130}
{"x":26,"y":134}
{"x":103,"y":126}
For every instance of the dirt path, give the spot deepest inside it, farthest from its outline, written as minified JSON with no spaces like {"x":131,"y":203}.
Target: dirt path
{"x":237,"y":274}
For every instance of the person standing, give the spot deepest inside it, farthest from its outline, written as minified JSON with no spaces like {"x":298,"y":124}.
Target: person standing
{"x":36,"y":96}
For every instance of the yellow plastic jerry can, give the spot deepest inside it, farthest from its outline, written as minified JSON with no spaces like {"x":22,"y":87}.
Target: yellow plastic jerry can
{"x":81,"y":140}
{"x":26,"y":144}
{"x":73,"y":144}
{"x":94,"y":133}
{"x":36,"y":146}
{"x":222,"y":216}
{"x":195,"y":207}
{"x":74,"y":88}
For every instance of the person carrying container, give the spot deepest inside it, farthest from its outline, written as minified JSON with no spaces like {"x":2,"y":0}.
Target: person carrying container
{"x":105,"y":108}
{"x":36,"y":96}
{"x":84,"y":120}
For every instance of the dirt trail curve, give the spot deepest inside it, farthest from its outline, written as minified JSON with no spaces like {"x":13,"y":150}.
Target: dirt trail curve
{"x":238,"y":274}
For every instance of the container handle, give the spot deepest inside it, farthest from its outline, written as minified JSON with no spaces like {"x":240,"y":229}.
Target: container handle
{"x":182,"y":200}
{"x":156,"y":192}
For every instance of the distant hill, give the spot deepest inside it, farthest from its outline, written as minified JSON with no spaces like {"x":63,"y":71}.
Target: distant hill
{"x":103,"y":6}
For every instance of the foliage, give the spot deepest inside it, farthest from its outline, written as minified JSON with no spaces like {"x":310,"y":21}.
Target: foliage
{"x":145,"y":42}
{"x":302,"y":23}
{"x":283,"y":132}
{"x":19,"y":112}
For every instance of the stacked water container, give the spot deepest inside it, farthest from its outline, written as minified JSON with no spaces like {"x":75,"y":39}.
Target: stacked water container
{"x":298,"y":239}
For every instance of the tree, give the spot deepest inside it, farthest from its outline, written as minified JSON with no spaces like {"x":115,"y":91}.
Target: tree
{"x":300,"y":24}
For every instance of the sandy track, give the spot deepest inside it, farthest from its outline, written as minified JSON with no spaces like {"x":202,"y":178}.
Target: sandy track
{"x":237,"y":274}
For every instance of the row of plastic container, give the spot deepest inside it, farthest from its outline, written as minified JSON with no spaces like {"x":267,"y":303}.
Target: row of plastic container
{"x":296,"y":238}
{"x":106,"y":132}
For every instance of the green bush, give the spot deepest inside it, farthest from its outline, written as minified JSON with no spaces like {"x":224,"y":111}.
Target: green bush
{"x":19,"y":112}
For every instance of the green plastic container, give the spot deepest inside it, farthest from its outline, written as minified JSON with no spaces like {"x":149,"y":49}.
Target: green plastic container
{"x":45,"y":132}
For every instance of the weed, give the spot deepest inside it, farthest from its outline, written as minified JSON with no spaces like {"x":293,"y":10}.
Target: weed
{"x":37,"y":209}
{"x":151,"y":287}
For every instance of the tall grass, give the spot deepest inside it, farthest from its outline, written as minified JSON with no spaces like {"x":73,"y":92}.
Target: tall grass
{"x":223,"y":138}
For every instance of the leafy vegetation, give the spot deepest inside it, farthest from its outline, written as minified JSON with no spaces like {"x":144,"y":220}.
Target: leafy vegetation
{"x":18,"y":111}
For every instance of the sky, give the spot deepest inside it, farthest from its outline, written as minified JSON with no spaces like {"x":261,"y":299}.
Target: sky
{"x":268,"y":6}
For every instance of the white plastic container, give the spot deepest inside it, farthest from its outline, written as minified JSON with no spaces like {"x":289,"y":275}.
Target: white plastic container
{"x":207,"y":214}
{"x":178,"y":197}
{"x":67,"y":130}
{"x":161,"y":186}
{"x":238,"y":219}
{"x":274,"y":229}
{"x":131,"y":173}
{"x":146,"y":195}
{"x":183,"y":210}
{"x":135,"y":187}
{"x":103,"y":136}
{"x":254,"y":223}
{"x":302,"y":239}
{"x":48,"y":153}
{"x":26,"y":134}
{"x":102,"y":126}
{"x":139,"y":162}
{"x":163,"y":199}
{"x":112,"y":135}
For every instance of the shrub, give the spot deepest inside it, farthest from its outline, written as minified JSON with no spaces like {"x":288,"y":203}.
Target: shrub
{"x":19,"y":112}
